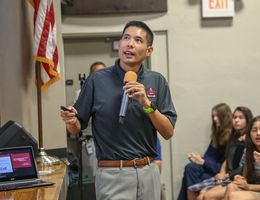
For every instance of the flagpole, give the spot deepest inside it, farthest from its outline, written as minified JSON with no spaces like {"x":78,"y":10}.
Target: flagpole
{"x":42,"y":159}
{"x":39,"y":102}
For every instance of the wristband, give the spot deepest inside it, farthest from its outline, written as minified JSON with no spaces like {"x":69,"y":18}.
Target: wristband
{"x":152,"y":108}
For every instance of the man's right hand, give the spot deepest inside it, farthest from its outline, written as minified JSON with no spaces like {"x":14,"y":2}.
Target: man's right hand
{"x":69,"y":117}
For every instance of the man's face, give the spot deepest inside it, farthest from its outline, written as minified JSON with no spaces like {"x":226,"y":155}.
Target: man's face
{"x":132,"y":48}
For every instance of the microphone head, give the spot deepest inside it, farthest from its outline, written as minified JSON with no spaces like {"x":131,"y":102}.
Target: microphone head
{"x":130,"y":76}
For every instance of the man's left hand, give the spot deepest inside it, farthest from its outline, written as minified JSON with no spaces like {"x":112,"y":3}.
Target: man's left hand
{"x":137,"y":90}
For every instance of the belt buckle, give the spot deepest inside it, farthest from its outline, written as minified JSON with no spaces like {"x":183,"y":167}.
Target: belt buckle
{"x":134,"y":160}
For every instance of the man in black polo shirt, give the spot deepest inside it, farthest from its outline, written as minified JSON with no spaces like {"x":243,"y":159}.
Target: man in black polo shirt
{"x":125,"y":152}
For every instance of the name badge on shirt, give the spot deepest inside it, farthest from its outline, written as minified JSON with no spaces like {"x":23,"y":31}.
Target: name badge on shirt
{"x":89,"y":148}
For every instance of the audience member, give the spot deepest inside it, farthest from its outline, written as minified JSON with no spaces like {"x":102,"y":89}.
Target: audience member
{"x":96,"y":66}
{"x":93,"y":67}
{"x":234,"y":152}
{"x":207,"y":166}
{"x":247,"y":187}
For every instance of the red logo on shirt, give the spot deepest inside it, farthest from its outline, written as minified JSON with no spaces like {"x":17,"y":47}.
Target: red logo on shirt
{"x":151,"y":92}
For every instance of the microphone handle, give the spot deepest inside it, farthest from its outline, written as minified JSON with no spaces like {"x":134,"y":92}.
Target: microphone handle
{"x":123,"y":108}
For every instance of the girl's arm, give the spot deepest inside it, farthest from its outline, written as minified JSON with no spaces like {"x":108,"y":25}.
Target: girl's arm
{"x":254,"y":187}
{"x":222,"y":175}
{"x":241,"y":182}
{"x":223,"y":167}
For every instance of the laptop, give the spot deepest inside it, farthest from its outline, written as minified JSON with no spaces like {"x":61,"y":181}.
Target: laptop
{"x":18,"y":169}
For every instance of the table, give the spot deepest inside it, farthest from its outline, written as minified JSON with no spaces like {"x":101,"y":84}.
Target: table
{"x":58,"y":191}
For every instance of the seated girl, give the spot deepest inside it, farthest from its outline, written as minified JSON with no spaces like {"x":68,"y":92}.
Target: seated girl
{"x":248,"y":186}
{"x":207,"y":166}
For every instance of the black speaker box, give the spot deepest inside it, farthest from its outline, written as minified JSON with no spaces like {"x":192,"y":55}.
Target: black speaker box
{"x":13,"y":134}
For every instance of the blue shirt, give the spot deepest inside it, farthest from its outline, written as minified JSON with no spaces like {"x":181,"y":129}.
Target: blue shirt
{"x":101,"y":97}
{"x":158,"y":149}
{"x":214,"y":157}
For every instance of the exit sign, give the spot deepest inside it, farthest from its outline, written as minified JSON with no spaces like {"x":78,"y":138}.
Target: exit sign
{"x":217,"y":8}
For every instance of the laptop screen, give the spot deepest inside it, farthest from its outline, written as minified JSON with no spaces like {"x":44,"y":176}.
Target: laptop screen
{"x":17,"y":164}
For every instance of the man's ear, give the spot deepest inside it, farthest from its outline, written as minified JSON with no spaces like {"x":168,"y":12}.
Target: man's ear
{"x":149,"y":50}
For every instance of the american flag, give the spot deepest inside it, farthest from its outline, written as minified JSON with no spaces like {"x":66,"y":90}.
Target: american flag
{"x":45,"y":48}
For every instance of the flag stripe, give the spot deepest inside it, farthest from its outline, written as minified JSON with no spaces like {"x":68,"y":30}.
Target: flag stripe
{"x":44,"y":36}
{"x":38,"y":23}
{"x":55,"y":59}
{"x":52,"y":17}
{"x":45,"y":48}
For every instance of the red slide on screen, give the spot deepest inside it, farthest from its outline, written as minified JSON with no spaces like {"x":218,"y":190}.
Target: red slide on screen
{"x":21,"y":160}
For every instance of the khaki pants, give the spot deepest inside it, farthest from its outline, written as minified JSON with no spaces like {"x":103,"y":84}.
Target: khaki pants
{"x":128,"y":183}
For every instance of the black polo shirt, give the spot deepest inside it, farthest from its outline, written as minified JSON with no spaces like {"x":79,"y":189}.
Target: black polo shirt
{"x":101,"y":97}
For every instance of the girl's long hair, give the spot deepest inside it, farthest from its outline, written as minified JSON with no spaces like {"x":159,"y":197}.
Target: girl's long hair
{"x":249,"y":167}
{"x":220,"y":135}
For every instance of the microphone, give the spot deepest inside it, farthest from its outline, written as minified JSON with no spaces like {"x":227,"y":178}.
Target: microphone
{"x":130,"y":76}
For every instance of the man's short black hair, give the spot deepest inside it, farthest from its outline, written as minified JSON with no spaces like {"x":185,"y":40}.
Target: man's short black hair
{"x":142,"y":25}
{"x":94,"y":64}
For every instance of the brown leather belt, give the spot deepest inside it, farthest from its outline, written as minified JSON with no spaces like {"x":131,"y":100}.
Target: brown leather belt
{"x":125,"y":163}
